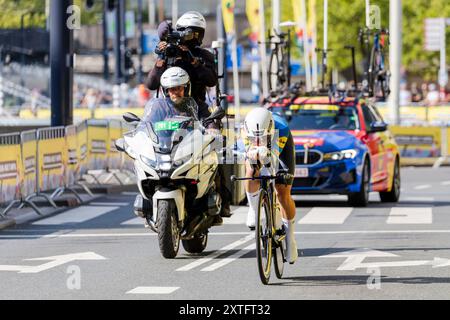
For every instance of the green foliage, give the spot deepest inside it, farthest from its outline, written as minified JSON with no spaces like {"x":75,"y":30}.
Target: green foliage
{"x":345,"y":17}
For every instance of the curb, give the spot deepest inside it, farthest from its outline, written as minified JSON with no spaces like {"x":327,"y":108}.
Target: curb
{"x":7,"y":223}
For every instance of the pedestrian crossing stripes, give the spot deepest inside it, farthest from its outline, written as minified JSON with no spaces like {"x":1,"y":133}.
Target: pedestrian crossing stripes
{"x":328,"y":215}
{"x":77,"y":215}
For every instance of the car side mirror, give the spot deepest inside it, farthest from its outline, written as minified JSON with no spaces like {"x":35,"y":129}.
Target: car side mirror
{"x":131,"y":117}
{"x":378,"y":126}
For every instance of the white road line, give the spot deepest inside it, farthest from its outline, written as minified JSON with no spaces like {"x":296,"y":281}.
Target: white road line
{"x":129,"y":193}
{"x":217,"y":253}
{"x":133,"y":222}
{"x":326,"y":215}
{"x":230,"y":259}
{"x":422,"y":199}
{"x":445,"y":183}
{"x":99,"y":235}
{"x":153,"y":290}
{"x":77,"y":215}
{"x":422,"y":187}
{"x":109,"y":203}
{"x":411,"y":215}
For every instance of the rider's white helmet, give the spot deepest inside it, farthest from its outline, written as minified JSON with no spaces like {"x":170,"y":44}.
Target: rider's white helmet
{"x":175,"y":77}
{"x":259,"y":124}
{"x":195,"y":21}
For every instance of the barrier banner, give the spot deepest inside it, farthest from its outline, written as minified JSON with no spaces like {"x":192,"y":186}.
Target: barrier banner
{"x":98,"y":144}
{"x":114,"y":156}
{"x":128,"y":163}
{"x":418,"y":142}
{"x":72,"y":164}
{"x":82,"y":148}
{"x":52,"y":156}
{"x":10,"y":167}
{"x":29,"y":152}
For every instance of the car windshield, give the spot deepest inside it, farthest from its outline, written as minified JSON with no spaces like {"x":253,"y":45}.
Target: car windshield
{"x":322,"y":117}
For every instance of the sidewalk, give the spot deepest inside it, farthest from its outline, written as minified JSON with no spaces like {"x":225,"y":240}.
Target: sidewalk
{"x":68,"y":200}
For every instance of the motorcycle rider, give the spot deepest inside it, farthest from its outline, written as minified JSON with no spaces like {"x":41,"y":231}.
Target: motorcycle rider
{"x":199,"y":63}
{"x":268,"y":139}
{"x":176,"y":89}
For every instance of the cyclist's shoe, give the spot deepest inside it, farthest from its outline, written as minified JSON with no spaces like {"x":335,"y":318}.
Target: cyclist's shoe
{"x":291,"y":244}
{"x":251,"y":219}
{"x":218,"y":221}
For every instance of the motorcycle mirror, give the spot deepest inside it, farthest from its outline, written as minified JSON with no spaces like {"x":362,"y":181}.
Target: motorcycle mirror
{"x":218,"y":114}
{"x":120,"y":145}
{"x":131,"y":117}
{"x":217,"y":44}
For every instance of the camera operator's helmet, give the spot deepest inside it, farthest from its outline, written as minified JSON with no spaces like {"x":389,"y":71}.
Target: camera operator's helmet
{"x":195,"y":21}
{"x":259,"y":126}
{"x":175,"y":77}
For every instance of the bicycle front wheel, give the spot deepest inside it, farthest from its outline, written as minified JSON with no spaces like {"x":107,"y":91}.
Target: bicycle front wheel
{"x":263,"y":235}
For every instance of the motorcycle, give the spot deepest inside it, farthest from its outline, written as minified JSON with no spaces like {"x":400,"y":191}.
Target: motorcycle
{"x":175,"y":163}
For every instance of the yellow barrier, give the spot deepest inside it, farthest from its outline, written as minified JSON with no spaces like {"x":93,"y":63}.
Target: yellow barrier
{"x":52,"y":156}
{"x":114,"y":156}
{"x":82,"y":148}
{"x":98,"y":144}
{"x":10,"y":167}
{"x":418,"y":142}
{"x":29,"y":151}
{"x":72,"y":165}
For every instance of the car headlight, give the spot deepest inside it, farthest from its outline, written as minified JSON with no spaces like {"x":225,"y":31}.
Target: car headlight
{"x":340,"y":155}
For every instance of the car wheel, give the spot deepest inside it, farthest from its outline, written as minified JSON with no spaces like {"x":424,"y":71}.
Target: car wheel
{"x":361,"y":198}
{"x":394,"y":194}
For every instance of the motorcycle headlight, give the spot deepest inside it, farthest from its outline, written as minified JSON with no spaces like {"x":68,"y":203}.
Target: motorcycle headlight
{"x":182,"y":161}
{"x":339,"y":155}
{"x":149,"y":162}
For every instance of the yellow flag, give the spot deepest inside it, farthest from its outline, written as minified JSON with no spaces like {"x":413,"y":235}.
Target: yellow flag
{"x":252,"y":10}
{"x":228,"y":15}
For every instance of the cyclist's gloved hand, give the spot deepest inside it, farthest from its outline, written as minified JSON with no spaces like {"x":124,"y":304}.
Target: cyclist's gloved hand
{"x":260,"y":153}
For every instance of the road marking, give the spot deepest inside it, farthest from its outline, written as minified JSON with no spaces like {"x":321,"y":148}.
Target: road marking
{"x":132,"y":222}
{"x":411,"y":215}
{"x":326,"y":215}
{"x":129,"y":193}
{"x":231,"y":258}
{"x":55,"y":261}
{"x":445,"y":183}
{"x":423,"y":199}
{"x":153,"y":290}
{"x":354,"y":260}
{"x":77,"y":215}
{"x":109,"y":203}
{"x":217,"y":253}
{"x":422,"y":187}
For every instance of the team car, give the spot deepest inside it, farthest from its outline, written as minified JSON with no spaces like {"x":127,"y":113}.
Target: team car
{"x":343,"y":146}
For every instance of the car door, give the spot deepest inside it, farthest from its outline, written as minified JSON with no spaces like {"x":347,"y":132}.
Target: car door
{"x":375,"y":144}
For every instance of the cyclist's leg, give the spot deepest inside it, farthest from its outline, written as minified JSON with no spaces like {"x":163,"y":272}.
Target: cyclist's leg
{"x":283,"y":188}
{"x":252,"y":190}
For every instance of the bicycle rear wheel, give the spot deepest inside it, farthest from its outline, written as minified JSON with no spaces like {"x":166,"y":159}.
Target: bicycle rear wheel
{"x":278,"y":259}
{"x":263,"y":235}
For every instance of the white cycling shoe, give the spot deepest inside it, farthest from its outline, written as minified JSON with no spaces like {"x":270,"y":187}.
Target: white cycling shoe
{"x":251,"y":219}
{"x":291,"y":244}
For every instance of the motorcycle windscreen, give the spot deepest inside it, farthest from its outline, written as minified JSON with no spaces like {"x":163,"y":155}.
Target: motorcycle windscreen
{"x":171,"y":131}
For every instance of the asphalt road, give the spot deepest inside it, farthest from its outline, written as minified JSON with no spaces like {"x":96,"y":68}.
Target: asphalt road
{"x":102,"y":251}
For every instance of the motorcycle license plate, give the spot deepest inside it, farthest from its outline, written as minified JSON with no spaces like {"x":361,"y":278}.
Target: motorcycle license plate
{"x":301,"y":172}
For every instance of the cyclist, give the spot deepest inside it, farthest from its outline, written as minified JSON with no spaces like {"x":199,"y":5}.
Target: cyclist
{"x":267,"y":140}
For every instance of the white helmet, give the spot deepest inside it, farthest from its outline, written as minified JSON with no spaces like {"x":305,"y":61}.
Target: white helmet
{"x":175,"y":77}
{"x":195,"y":21}
{"x":259,"y":123}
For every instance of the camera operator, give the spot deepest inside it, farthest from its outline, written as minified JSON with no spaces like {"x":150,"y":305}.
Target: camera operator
{"x":181,"y":48}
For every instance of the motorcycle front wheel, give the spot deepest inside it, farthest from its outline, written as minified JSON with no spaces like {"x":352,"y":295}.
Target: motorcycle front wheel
{"x":168,"y":231}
